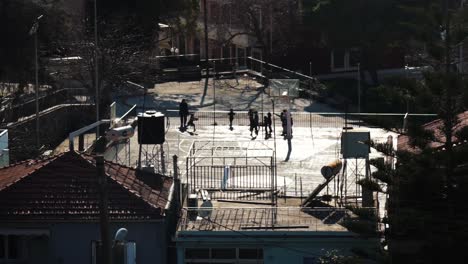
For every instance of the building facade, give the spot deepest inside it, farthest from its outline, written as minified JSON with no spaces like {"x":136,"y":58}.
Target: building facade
{"x":49,"y":210}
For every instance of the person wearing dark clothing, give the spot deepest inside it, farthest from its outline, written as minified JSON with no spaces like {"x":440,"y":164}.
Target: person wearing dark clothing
{"x":265,"y":124}
{"x":231,"y":115}
{"x":282,"y":117}
{"x":251,"y":120}
{"x":183,"y":113}
{"x":255,"y":123}
{"x":191,"y":123}
{"x":269,"y":122}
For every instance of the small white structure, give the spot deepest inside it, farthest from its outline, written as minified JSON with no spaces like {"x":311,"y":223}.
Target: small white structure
{"x":120,"y":133}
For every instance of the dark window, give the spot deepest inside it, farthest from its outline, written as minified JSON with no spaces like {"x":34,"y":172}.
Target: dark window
{"x":308,"y":260}
{"x":14,"y":247}
{"x":338,"y":58}
{"x":353,"y":58}
{"x":223,"y":253}
{"x":196,"y":46}
{"x":182,"y":45}
{"x":197,"y":253}
{"x":250,"y":253}
{"x":2,"y":247}
{"x":241,"y":56}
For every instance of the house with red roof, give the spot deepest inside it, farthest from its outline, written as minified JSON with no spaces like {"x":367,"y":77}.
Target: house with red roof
{"x":49,"y":210}
{"x":436,"y":127}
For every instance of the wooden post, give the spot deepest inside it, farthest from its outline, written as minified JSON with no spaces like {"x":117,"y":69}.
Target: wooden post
{"x":81,"y":142}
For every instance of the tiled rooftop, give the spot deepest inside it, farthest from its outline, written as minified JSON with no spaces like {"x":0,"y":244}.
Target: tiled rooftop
{"x":65,"y":187}
{"x":288,"y":216}
{"x":404,"y":140}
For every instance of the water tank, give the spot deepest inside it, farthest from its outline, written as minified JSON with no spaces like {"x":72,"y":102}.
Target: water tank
{"x":151,"y":128}
{"x":331,"y":169}
{"x":355,"y":144}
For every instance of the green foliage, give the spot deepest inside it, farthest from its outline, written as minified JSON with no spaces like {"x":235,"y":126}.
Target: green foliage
{"x":368,"y":214}
{"x":356,"y":24}
{"x":420,"y":137}
{"x":462,"y":134}
{"x":17,"y":46}
{"x":370,"y":185}
{"x":361,"y":227}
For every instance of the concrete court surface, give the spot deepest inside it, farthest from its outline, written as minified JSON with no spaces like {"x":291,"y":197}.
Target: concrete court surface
{"x":311,"y":149}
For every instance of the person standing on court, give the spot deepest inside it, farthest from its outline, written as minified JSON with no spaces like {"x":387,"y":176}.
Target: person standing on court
{"x":191,"y":121}
{"x":265,"y":125}
{"x":231,"y":115}
{"x":251,"y":121}
{"x":268,"y":123}
{"x":255,"y":122}
{"x":183,"y":113}
{"x":282,"y":117}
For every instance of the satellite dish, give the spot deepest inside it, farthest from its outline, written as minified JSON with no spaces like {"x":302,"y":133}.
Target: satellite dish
{"x":121,"y":234}
{"x":206,"y":209}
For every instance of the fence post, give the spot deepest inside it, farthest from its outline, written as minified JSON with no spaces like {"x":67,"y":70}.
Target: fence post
{"x":300,"y":179}
{"x":295,"y":184}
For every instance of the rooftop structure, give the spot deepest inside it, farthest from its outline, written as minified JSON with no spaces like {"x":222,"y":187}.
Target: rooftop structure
{"x":65,"y":187}
{"x":435,"y":127}
{"x":232,"y":169}
{"x":288,"y":216}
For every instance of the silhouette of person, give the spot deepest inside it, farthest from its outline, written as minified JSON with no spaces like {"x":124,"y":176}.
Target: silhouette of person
{"x":268,"y":124}
{"x":265,"y":125}
{"x":255,"y":123}
{"x":231,"y":115}
{"x":183,"y":113}
{"x":191,"y":123}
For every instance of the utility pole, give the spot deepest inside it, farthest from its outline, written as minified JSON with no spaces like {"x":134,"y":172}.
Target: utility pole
{"x":103,"y":211}
{"x":207,"y":68}
{"x":33,"y":31}
{"x":271,"y":31}
{"x":96,"y":72}
{"x":359,"y":88}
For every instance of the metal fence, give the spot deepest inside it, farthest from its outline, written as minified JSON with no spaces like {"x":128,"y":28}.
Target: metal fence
{"x":393,"y":121}
{"x":231,"y":169}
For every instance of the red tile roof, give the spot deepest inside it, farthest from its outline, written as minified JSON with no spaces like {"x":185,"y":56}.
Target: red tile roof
{"x":65,"y":187}
{"x":404,"y":140}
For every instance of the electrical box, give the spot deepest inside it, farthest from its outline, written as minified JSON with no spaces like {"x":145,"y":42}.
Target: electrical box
{"x":355,"y":144}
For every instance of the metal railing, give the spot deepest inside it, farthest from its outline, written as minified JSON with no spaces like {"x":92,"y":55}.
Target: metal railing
{"x":313,"y":119}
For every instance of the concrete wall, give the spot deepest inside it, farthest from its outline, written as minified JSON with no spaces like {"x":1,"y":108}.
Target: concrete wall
{"x":70,"y":243}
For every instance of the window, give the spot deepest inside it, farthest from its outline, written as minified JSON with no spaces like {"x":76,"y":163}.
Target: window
{"x":308,"y":260}
{"x":241,"y":56}
{"x":224,"y":255}
{"x":338,"y":59}
{"x":250,"y":253}
{"x":12,"y":247}
{"x":344,"y":59}
{"x":197,"y":253}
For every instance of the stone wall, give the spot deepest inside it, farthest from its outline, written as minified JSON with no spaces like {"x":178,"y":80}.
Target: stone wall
{"x":55,"y":125}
